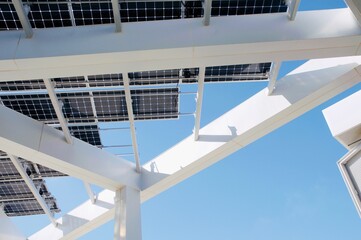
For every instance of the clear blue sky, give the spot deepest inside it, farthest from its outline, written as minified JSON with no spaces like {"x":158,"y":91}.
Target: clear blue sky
{"x":285,"y":186}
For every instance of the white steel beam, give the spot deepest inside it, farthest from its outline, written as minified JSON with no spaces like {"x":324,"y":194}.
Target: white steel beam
{"x":207,"y":12}
{"x":19,"y":7}
{"x":298,"y":92}
{"x":197,"y":121}
{"x":58,"y":110}
{"x":91,"y":51}
{"x":129,"y":101}
{"x":116,"y":15}
{"x":273,"y":76}
{"x":32,"y":188}
{"x":293,"y":8}
{"x":127,"y":219}
{"x":355,"y":6}
{"x":35,"y":141}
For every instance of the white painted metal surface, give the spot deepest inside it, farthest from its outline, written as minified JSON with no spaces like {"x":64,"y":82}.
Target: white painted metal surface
{"x":293,"y":6}
{"x":344,"y":120}
{"x":128,"y":99}
{"x":116,"y":15}
{"x":273,"y":76}
{"x":207,"y":9}
{"x":78,"y":159}
{"x":20,"y":11}
{"x":197,"y":120}
{"x":127,"y":215}
{"x":355,"y":6}
{"x":350,"y":168}
{"x":270,"y":37}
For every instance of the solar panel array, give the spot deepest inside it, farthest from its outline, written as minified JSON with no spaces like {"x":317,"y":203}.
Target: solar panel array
{"x":15,"y":196}
{"x":55,"y":13}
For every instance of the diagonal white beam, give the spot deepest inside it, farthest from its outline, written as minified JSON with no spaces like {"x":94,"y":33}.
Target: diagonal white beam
{"x":333,"y":33}
{"x":197,"y":121}
{"x":58,"y":110}
{"x":35,"y":141}
{"x":129,"y":101}
{"x":273,"y":76}
{"x":355,"y":6}
{"x":116,"y":15}
{"x":293,"y":8}
{"x":19,"y":7}
{"x":32,"y":188}
{"x":296,"y":93}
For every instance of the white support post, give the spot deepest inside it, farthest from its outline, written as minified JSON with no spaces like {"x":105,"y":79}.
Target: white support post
{"x":32,"y":188}
{"x":273,"y":76}
{"x":207,"y":12}
{"x":292,"y":9}
{"x":127,"y":215}
{"x":116,"y":15}
{"x":58,"y":110}
{"x":90,"y":192}
{"x":19,"y":7}
{"x":197,"y":121}
{"x":128,"y":99}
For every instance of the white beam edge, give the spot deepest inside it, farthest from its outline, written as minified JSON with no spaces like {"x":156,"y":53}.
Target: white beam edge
{"x":188,"y":44}
{"x":292,"y":9}
{"x":207,"y":12}
{"x":342,"y":165}
{"x":24,"y":20}
{"x":33,"y":189}
{"x":355,"y":7}
{"x":89,"y":191}
{"x":273,"y":76}
{"x":345,"y":78}
{"x":116,"y":15}
{"x":35,"y":141}
{"x":197,"y":120}
{"x":232,"y":131}
{"x":129,"y":101}
{"x":58,"y":110}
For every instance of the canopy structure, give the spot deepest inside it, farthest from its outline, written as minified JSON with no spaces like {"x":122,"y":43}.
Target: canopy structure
{"x":77,"y":78}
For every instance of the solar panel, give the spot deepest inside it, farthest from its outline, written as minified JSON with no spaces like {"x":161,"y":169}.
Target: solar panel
{"x":54,"y":13}
{"x":89,"y":134}
{"x":18,"y":190}
{"x":243,"y":72}
{"x":170,"y":76}
{"x":28,"y":207}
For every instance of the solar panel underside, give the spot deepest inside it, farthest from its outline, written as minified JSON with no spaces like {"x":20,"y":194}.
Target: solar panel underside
{"x":54,"y":13}
{"x":15,"y":196}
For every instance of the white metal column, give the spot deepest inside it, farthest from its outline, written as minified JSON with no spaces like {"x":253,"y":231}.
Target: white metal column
{"x":127,"y":214}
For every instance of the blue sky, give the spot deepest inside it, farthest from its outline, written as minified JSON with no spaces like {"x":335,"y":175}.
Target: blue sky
{"x":285,"y":186}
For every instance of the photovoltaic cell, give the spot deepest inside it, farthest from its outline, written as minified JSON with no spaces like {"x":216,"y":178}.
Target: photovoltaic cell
{"x":18,"y":190}
{"x":89,"y":12}
{"x":171,"y":76}
{"x":242,"y":72}
{"x":89,"y":134}
{"x":9,"y":19}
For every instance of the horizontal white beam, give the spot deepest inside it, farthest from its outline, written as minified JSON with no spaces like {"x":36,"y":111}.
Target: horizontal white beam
{"x":44,"y":145}
{"x":298,"y":92}
{"x":79,"y":51}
